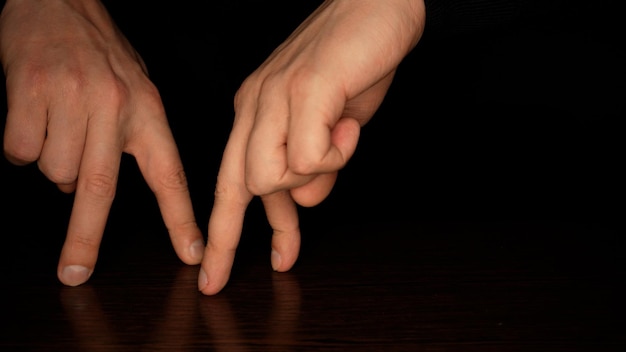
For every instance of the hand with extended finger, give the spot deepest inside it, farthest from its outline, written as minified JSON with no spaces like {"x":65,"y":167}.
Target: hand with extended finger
{"x":298,"y":119}
{"x":78,"y":97}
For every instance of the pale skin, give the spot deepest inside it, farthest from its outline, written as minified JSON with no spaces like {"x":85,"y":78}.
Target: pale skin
{"x":298,"y":119}
{"x":79,"y":97}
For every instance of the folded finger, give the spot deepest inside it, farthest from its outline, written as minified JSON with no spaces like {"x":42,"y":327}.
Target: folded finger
{"x":321,"y":139}
{"x":267,"y":168}
{"x":315,"y":191}
{"x":25,"y":128}
{"x":62,"y":150}
{"x":282,"y":215}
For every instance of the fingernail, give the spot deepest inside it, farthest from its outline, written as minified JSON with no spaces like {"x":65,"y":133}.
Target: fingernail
{"x":196,"y":250}
{"x":276,"y":260}
{"x":203,"y":280}
{"x":74,"y":275}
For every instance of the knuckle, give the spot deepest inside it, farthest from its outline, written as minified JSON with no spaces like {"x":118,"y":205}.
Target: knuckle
{"x":255,"y":187}
{"x":75,"y":82}
{"x":151,"y":98}
{"x":100,"y":185}
{"x":20,"y":152}
{"x":275,"y":84}
{"x":174,"y":180}
{"x":34,"y":78}
{"x":305,"y":164}
{"x":228,"y":193}
{"x":240,"y":93}
{"x":107,"y":88}
{"x":272,"y":81}
{"x":259,"y":186}
{"x":59,"y":175}
{"x":302,"y":81}
{"x":267,"y":176}
{"x":112,"y":90}
{"x":70,"y":80}
{"x":84,"y":241}
{"x":259,"y":181}
{"x":245,"y":90}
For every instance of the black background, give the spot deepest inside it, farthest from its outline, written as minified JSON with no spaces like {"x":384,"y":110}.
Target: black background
{"x":518,"y":122}
{"x":482,"y":210}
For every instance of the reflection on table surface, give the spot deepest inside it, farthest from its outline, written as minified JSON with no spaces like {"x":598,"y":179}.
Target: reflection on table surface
{"x":398,"y":286}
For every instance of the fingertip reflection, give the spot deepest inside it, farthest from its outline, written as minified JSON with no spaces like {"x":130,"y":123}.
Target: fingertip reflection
{"x":232,"y":329}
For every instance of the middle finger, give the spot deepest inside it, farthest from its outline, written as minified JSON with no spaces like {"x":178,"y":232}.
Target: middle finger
{"x":96,"y":185}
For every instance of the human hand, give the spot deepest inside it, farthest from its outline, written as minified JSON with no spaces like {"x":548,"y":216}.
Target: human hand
{"x":78,"y":97}
{"x":298,"y":119}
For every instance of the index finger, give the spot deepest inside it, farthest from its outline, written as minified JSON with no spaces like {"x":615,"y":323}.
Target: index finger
{"x":226,"y":221}
{"x":95,"y":190}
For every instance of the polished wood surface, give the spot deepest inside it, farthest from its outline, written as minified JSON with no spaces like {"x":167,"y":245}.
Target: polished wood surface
{"x":481,"y":211}
{"x":405,"y":286}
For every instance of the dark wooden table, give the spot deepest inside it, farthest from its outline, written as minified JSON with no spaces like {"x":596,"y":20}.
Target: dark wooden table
{"x":482,"y":211}
{"x":389,"y":285}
